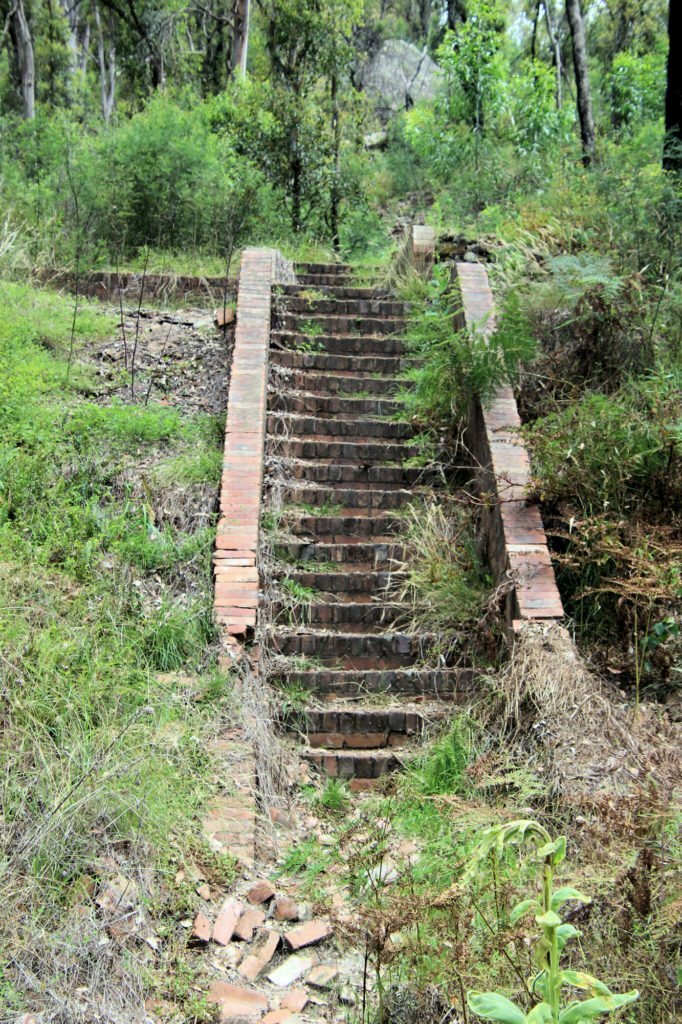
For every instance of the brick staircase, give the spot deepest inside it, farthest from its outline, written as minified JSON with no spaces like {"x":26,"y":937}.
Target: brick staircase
{"x":339,"y":447}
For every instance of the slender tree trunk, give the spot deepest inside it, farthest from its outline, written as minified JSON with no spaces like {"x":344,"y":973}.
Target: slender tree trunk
{"x":534,"y":33}
{"x":457,"y":12}
{"x":582,"y":79}
{"x":672,"y":150}
{"x":556,"y":48}
{"x":106,"y":58}
{"x":23,"y":49}
{"x":336,"y":135}
{"x":240,"y":46}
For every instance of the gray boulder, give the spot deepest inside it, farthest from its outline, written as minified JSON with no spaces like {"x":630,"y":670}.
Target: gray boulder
{"x":399,"y":75}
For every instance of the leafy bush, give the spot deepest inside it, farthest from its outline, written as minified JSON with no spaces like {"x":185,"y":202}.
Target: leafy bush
{"x":459,"y":365}
{"x":606,"y":452}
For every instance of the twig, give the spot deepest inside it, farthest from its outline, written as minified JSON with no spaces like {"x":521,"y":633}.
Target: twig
{"x":137,"y":325}
{"x":77,"y":255}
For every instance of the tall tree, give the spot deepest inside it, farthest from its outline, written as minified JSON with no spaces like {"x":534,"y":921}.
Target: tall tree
{"x":24,"y":59}
{"x":672,"y":150}
{"x":582,"y":79}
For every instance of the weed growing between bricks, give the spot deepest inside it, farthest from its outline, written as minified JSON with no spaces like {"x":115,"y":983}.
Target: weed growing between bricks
{"x":108,"y":661}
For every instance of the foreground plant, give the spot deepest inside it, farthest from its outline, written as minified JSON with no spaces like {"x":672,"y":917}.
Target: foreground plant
{"x":552,"y":978}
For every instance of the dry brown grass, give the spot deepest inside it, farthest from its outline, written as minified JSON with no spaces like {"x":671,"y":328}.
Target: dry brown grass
{"x":549,"y":704}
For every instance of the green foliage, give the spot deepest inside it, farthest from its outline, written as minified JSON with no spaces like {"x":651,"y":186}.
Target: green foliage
{"x":636,"y":86}
{"x":443,"y":583}
{"x":99,"y":748}
{"x":442,"y":768}
{"x":460,"y":365}
{"x":607,"y":452}
{"x":551,"y":978}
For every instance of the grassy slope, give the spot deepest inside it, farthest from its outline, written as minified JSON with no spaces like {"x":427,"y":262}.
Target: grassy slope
{"x":105,"y":613}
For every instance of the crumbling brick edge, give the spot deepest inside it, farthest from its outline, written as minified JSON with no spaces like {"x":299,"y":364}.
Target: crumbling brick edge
{"x":515,"y":542}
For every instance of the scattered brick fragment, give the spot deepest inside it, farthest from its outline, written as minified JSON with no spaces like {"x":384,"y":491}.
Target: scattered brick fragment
{"x":308,"y":934}
{"x":237,"y":1004}
{"x":322,"y":976}
{"x":248,"y":922}
{"x":286,"y":909}
{"x":261,"y":892}
{"x":296,"y":1000}
{"x":265,"y":944}
{"x":201,"y":929}
{"x":226,"y":922}
{"x":276,"y":1016}
{"x":290,"y":970}
{"x":250,"y":967}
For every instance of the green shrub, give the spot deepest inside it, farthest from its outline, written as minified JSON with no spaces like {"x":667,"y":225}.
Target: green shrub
{"x":607,"y":451}
{"x":458,"y":366}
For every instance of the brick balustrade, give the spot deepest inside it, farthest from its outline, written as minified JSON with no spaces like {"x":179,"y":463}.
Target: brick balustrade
{"x":236,"y":555}
{"x":515,"y":536}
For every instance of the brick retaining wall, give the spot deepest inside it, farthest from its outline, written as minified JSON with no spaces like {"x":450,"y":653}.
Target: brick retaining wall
{"x":106,"y":285}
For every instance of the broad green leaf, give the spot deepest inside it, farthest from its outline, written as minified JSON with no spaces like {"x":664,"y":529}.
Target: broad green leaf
{"x":560,"y":854}
{"x":548,"y":920}
{"x":492,"y":1006}
{"x":581,"y":979}
{"x":546,"y":850}
{"x":591,"y":1008}
{"x":540,"y":952}
{"x":565,"y":932}
{"x":540,"y":1014}
{"x":567,"y":893}
{"x":522,"y":908}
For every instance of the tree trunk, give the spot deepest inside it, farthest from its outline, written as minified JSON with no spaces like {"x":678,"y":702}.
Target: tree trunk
{"x":582,"y":79}
{"x":106,"y":58}
{"x":556,"y":47}
{"x":457,"y":13}
{"x":240,"y":43}
{"x":334,"y":198}
{"x":672,"y":150}
{"x":23,"y":49}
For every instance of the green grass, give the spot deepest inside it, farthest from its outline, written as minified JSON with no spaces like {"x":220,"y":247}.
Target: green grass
{"x":100,"y":600}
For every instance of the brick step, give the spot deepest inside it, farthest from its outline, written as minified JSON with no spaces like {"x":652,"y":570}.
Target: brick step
{"x":358,"y":728}
{"x":357,"y":766}
{"x":391,"y":366}
{"x":324,"y":384}
{"x":328,"y":324}
{"x":324,"y":280}
{"x":343,"y":452}
{"x":357,"y":473}
{"x":291,"y":424}
{"x":330,"y":405}
{"x":337,"y":291}
{"x":355,"y":498}
{"x":342,"y":582}
{"x":358,"y":554}
{"x":351,"y":617}
{"x":339,"y":529}
{"x":449,"y":684}
{"x":333,"y":305}
{"x":357,"y":651}
{"x":323,"y":268}
{"x":338,"y":344}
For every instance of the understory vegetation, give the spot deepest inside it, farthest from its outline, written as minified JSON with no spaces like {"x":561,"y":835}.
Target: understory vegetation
{"x":110,"y":682}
